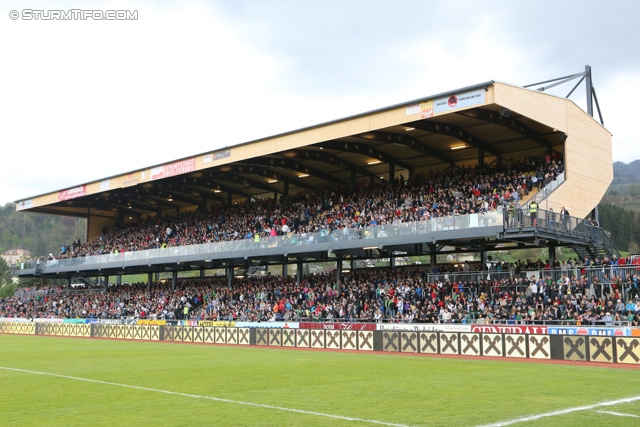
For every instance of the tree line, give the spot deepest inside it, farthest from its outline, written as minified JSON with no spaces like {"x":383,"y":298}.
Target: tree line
{"x":41,"y":234}
{"x":623,"y":224}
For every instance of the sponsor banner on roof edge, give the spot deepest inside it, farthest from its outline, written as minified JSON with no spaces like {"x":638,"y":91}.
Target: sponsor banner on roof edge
{"x":442,"y":105}
{"x":130,"y":179}
{"x":272,"y":325}
{"x":25,"y":204}
{"x":412,"y":109}
{"x":509,"y":329}
{"x":216,"y":156}
{"x":459,"y":100}
{"x":425,"y":109}
{"x":173,"y":169}
{"x":72,"y":193}
{"x":426,"y":327}
{"x":345,"y":326}
{"x":610,"y":332}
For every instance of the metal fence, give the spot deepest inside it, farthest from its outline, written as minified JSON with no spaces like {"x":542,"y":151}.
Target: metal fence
{"x":602,"y":274}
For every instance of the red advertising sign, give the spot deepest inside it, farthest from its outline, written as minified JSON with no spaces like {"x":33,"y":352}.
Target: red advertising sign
{"x":72,"y":193}
{"x":509,"y":329}
{"x":173,"y":169}
{"x":339,"y":326}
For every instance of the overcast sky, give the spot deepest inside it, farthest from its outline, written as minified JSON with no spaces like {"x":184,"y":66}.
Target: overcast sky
{"x":82,"y":100}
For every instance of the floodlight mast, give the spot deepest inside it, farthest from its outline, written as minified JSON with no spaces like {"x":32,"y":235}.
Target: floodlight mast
{"x":591,"y":97}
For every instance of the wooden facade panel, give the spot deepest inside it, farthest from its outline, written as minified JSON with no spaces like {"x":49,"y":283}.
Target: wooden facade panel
{"x":543,"y":108}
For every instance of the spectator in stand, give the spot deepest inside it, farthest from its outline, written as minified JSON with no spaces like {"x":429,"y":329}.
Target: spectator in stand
{"x":564,"y":218}
{"x":533,"y":212}
{"x":539,"y":177}
{"x":551,"y":218}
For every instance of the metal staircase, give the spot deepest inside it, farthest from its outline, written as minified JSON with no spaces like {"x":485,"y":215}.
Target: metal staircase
{"x":600,"y":244}
{"x":588,"y":241}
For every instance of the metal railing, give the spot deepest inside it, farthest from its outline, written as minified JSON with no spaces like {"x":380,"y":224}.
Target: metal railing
{"x":545,"y":191}
{"x":591,"y":272}
{"x":607,"y":243}
{"x":21,"y":293}
{"x":426,"y":227}
{"x":599,"y":281}
{"x":552,"y":222}
{"x":471,"y":282}
{"x":557,"y":224}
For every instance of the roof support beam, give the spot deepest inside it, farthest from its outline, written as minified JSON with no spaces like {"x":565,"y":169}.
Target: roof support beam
{"x":509,"y":122}
{"x":175,"y":196}
{"x":455,"y":132}
{"x":290,"y":165}
{"x":242,"y":169}
{"x":408,"y":141}
{"x":214,"y":181}
{"x":364,"y":149}
{"x":325,"y":157}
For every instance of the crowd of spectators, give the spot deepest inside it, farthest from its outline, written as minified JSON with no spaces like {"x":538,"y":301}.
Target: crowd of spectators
{"x":116,"y":302}
{"x":614,"y":270}
{"x":455,"y":191}
{"x":564,"y":292}
{"x":401,"y":295}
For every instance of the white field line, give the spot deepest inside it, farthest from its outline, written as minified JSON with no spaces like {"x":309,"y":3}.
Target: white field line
{"x":618,"y":414}
{"x":563,"y":412}
{"x":217,"y":399}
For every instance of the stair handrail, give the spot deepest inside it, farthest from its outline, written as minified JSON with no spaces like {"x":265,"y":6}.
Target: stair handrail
{"x":545,"y":191}
{"x":607,"y":244}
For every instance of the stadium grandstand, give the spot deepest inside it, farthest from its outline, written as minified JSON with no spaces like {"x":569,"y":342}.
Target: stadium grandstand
{"x":473,"y":170}
{"x":369,"y":233}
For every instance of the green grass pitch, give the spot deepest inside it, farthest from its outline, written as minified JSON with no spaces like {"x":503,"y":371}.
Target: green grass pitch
{"x":49,"y":381}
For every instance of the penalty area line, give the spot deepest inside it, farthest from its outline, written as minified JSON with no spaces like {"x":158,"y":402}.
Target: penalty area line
{"x":565,"y":411}
{"x":216,"y":399}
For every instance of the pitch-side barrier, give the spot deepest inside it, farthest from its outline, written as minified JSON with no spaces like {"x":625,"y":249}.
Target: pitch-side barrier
{"x":580,"y":344}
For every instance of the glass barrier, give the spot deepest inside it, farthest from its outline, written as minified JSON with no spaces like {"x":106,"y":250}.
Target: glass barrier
{"x":426,"y":227}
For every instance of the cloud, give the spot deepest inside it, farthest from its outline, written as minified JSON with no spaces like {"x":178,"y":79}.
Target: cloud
{"x":84,"y":100}
{"x":127,"y":95}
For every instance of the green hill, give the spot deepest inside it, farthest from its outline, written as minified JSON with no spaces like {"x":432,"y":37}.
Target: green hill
{"x":624,"y":191}
{"x":40,"y":234}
